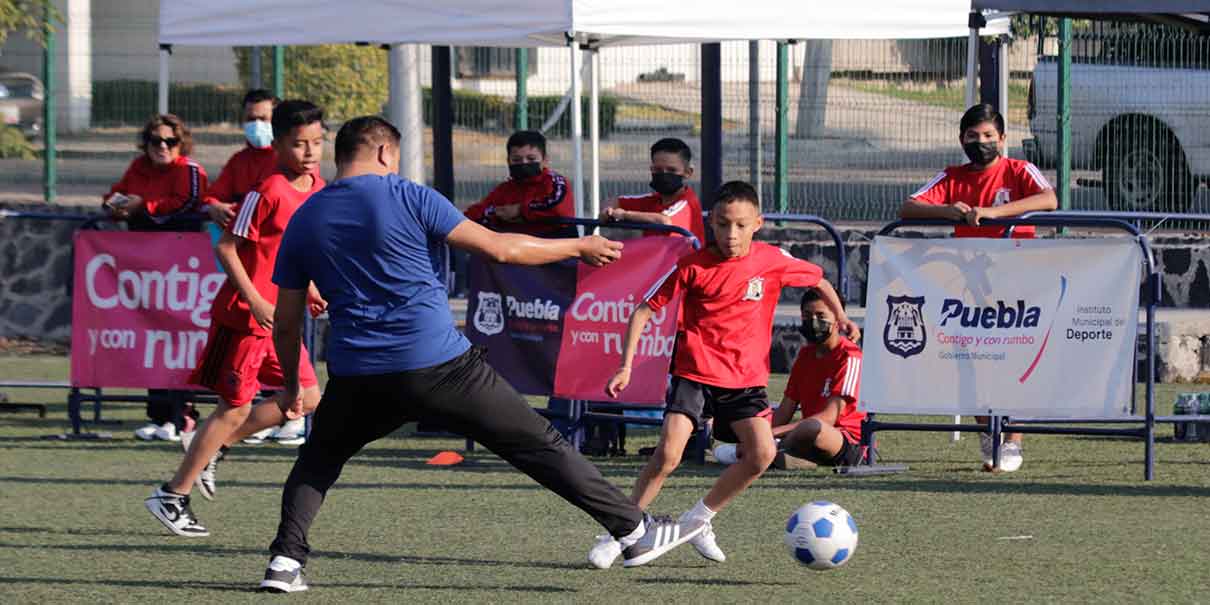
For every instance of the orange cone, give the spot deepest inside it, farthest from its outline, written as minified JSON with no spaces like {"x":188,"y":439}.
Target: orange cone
{"x":446,"y":458}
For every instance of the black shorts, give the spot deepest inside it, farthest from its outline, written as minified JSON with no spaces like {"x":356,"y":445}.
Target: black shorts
{"x":701,"y":401}
{"x":849,"y":455}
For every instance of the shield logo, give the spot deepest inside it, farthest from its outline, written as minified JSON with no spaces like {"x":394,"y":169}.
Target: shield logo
{"x":489,"y":314}
{"x":904,"y":333}
{"x":756,"y":289}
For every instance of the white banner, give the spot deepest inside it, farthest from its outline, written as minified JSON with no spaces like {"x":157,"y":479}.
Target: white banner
{"x":1025,"y":328}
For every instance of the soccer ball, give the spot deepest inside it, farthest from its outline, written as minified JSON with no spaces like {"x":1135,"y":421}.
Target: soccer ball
{"x":821,"y":535}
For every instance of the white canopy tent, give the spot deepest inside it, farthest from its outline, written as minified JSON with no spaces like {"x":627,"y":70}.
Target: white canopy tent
{"x":588,"y":24}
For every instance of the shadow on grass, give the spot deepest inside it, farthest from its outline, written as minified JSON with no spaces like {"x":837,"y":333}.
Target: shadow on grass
{"x":229,"y":587}
{"x":710,"y":582}
{"x":192,"y":548}
{"x":340,"y":485}
{"x":937,"y":486}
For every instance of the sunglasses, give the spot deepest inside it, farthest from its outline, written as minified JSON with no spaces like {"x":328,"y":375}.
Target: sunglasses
{"x":170,"y":141}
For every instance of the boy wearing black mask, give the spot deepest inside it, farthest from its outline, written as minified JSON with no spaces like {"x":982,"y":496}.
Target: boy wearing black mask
{"x":990,"y":186}
{"x":671,"y":201}
{"x":824,"y":383}
{"x":532,"y":196}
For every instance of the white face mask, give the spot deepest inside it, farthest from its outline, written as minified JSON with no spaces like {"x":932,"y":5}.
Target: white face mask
{"x":259,"y":133}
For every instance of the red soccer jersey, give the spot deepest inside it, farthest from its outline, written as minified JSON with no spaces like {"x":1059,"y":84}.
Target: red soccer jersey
{"x":815,"y":380}
{"x":262,"y":219}
{"x":543,"y":197}
{"x":241,"y":174}
{"x":728,"y":312}
{"x":1008,"y":180}
{"x":167,"y":190}
{"x":685,"y":212}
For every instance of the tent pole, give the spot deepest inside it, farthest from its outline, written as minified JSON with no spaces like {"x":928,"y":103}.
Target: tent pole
{"x":712,"y":122}
{"x":162,"y":98}
{"x":1002,"y":63}
{"x":594,"y":128}
{"x":781,"y":188}
{"x":521,"y":112}
{"x":754,"y":154}
{"x":577,"y":128}
{"x":1063,"y":186}
{"x":443,"y":123}
{"x":972,"y":66}
{"x":49,"y":106}
{"x":404,"y":83}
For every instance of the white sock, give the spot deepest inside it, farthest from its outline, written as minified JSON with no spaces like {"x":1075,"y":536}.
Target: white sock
{"x":700,"y":511}
{"x":634,"y":536}
{"x":280,"y":563}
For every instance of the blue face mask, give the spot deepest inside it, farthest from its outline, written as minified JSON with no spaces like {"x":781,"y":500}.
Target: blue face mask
{"x":259,"y":133}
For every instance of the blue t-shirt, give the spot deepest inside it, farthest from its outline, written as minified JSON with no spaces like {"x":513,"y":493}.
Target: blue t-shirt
{"x":368,"y":243}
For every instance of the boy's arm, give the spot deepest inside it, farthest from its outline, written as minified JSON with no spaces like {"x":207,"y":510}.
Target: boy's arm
{"x":634,"y":330}
{"x":913,"y":208}
{"x":558,"y":202}
{"x":1043,"y":201}
{"x":287,"y":324}
{"x":217,"y":201}
{"x":830,"y":297}
{"x":783,"y":416}
{"x":228,"y":257}
{"x":635,"y":216}
{"x":827,"y":416}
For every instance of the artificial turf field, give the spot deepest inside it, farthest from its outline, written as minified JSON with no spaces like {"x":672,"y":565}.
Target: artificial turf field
{"x":1076,"y":524}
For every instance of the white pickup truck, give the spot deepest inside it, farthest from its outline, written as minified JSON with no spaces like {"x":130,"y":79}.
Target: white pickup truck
{"x":1147,"y":129}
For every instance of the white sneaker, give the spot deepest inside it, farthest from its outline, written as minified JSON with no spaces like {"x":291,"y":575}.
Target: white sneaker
{"x":604,"y":552}
{"x":704,"y":543}
{"x":173,"y":511}
{"x":259,"y":437}
{"x":167,"y":432}
{"x":985,"y":448}
{"x":726,"y":453}
{"x":146,"y":432}
{"x":283,"y":575}
{"x":1010,"y":456}
{"x":291,"y":433}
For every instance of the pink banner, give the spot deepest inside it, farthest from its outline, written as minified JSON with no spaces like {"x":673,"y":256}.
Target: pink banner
{"x":140,"y":307}
{"x":595,"y":326}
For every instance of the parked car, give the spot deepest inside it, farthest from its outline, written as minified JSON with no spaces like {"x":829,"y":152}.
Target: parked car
{"x":1145,"y":127}
{"x":21,"y":98}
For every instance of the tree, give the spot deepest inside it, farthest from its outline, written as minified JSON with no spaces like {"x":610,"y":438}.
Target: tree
{"x":25,"y":16}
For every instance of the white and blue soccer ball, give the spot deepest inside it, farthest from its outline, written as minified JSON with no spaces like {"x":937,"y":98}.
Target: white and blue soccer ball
{"x":821,"y":535}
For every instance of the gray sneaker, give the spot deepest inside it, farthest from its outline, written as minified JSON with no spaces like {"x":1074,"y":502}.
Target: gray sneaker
{"x":663,"y":534}
{"x":280,"y":578}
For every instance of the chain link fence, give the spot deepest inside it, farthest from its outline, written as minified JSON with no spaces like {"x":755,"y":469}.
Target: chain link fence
{"x":869,"y":120}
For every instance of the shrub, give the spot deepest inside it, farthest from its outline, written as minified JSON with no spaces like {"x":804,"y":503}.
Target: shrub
{"x":14,"y":146}
{"x":133,"y":102}
{"x":345,"y":79}
{"x":492,"y":113}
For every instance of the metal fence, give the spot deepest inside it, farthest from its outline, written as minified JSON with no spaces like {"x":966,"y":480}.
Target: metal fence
{"x":869,"y":120}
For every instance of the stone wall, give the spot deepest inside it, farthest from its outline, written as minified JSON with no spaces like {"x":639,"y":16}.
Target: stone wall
{"x":35,"y":267}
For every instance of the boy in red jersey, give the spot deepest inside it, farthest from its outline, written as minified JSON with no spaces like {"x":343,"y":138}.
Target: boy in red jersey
{"x":672,"y":201}
{"x":249,"y":166}
{"x":824,"y":384}
{"x":990,"y":186}
{"x":239,"y":353}
{"x":532,"y":194}
{"x":721,"y":368}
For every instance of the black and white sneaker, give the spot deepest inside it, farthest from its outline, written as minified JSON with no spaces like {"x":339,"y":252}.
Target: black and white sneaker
{"x":283,"y":575}
{"x":173,"y":511}
{"x":663,"y":534}
{"x":205,"y":479}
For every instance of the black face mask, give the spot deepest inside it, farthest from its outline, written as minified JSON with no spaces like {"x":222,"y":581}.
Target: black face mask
{"x":981,"y":153}
{"x":816,"y":330}
{"x":528,"y":170}
{"x":667,"y":183}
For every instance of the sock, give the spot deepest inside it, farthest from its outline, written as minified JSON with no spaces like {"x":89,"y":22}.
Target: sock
{"x":700,"y":511}
{"x":280,"y":563}
{"x":164,"y":488}
{"x":634,"y":536}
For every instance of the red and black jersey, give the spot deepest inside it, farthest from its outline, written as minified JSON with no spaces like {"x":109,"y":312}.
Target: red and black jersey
{"x":727,"y":313}
{"x":262,"y":219}
{"x":1008,"y":180}
{"x":816,"y":378}
{"x":241,"y":174}
{"x":166,"y":190}
{"x":545,"y":196}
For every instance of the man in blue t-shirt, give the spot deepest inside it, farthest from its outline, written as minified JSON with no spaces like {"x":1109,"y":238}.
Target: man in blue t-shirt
{"x":367,"y":241}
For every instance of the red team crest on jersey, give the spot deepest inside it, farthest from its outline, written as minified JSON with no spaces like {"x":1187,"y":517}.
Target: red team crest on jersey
{"x":756,"y":289}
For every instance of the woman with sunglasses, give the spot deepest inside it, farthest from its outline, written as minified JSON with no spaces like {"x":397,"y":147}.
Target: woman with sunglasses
{"x":161,"y":191}
{"x":162,"y":187}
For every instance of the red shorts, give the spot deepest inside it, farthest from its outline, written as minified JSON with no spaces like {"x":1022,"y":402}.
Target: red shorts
{"x":235,"y":364}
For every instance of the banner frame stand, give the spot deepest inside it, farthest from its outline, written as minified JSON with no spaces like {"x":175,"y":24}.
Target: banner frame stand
{"x":999,"y":424}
